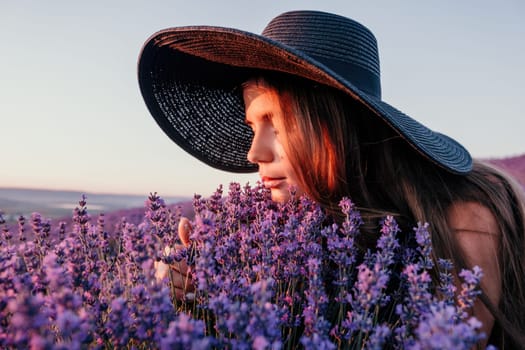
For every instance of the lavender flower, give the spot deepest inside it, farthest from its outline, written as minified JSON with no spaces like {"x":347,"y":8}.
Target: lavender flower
{"x":316,"y":332}
{"x":469,"y":289}
{"x":266,"y":276}
{"x":447,"y":286}
{"x":437,"y":329}
{"x":185,"y":333}
{"x":425,"y":245}
{"x":28,"y":322}
{"x":341,"y":242}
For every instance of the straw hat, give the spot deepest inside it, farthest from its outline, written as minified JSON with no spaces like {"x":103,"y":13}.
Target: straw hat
{"x":190,"y":79}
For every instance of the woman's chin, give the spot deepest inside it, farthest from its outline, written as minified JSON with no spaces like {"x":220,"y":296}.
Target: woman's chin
{"x":279,"y":195}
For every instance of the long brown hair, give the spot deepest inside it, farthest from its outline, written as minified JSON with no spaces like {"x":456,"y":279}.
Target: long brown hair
{"x":338,"y":148}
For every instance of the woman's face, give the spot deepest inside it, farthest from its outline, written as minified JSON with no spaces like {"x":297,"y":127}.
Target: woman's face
{"x":264,"y":115}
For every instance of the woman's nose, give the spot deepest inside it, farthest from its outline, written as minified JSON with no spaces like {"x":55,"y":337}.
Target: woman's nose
{"x":260,"y":150}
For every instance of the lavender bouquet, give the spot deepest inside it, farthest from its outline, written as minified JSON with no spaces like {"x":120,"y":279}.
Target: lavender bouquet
{"x":266,"y":275}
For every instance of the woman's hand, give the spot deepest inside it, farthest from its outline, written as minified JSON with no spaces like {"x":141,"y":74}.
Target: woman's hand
{"x":179,"y":272}
{"x":180,"y":277}
{"x":184,"y":231}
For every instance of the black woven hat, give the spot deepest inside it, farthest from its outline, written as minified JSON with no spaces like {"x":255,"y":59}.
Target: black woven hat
{"x":190,"y":79}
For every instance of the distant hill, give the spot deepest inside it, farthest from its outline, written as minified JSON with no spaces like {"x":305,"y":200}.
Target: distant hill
{"x":515,"y":166}
{"x":56,"y":204}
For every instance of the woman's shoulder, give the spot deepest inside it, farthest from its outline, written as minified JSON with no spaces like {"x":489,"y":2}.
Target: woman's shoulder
{"x":472,"y":217}
{"x":477,"y":234}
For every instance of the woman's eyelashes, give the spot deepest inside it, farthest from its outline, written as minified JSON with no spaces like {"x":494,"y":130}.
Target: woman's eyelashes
{"x":269,"y":119}
{"x":264,"y":121}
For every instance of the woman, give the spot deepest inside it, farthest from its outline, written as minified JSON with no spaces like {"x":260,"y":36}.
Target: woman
{"x":302,"y":105}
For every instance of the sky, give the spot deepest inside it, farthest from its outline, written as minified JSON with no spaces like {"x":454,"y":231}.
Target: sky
{"x":72,"y":116}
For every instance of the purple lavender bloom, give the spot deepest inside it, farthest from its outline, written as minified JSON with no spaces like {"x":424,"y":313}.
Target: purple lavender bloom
{"x":469,"y":289}
{"x":387,"y":243}
{"x":419,"y":297}
{"x":186,"y":333}
{"x":36,"y":223}
{"x":61,"y":230}
{"x":425,"y":245}
{"x":369,"y":293}
{"x":317,"y":341}
{"x":161,"y":220}
{"x":81,"y":218}
{"x":379,"y":337}
{"x":446,"y":286}
{"x":264,"y":320}
{"x":370,"y":285}
{"x":68,"y":323}
{"x":6,"y":234}
{"x":438,"y":329}
{"x":119,"y":323}
{"x":341,"y":242}
{"x":316,"y":327}
{"x":28,"y":323}
{"x":21,"y":229}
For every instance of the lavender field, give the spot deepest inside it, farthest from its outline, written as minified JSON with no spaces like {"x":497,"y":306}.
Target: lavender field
{"x":259,"y":274}
{"x":515,"y":166}
{"x":264,"y":276}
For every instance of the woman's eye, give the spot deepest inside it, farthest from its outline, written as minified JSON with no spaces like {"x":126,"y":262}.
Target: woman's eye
{"x":250,"y":125}
{"x":267,"y":118}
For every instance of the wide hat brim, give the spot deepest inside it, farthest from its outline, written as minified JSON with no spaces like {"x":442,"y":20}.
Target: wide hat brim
{"x":190,"y":79}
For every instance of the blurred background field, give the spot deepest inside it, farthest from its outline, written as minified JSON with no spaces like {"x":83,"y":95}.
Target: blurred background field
{"x":53,"y":204}
{"x":59,"y":205}
{"x":515,"y":166}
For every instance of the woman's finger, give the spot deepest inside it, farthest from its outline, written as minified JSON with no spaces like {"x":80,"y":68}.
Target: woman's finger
{"x":180,"y":267}
{"x":182,"y":295}
{"x":182,"y":282}
{"x":184,"y":231}
{"x":161,"y":270}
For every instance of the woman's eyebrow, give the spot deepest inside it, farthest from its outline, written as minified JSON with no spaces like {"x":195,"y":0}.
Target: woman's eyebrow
{"x":268,"y":116}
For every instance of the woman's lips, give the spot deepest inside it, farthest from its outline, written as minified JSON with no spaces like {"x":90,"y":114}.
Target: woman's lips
{"x":273,"y":182}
